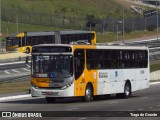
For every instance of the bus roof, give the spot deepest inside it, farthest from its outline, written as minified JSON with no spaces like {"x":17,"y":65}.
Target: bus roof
{"x":42,"y":33}
{"x":96,"y":46}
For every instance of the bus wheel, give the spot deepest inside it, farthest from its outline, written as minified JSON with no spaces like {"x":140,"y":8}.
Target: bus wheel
{"x":88,"y":94}
{"x":50,"y":99}
{"x":127,"y":90}
{"x":28,"y":50}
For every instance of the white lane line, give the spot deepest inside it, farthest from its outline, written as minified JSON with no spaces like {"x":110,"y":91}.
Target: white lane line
{"x":7,"y":72}
{"x":140,"y":109}
{"x":145,"y":98}
{"x":3,"y":108}
{"x":158,"y":106}
{"x":28,"y":66}
{"x":150,"y":107}
{"x":14,"y":97}
{"x":96,"y":115}
{"x":26,"y":69}
{"x":15,"y":71}
{"x":153,"y":83}
{"x":82,"y":118}
{"x":113,"y":102}
{"x":131,"y":110}
{"x":11,"y":63}
{"x":72,"y":109}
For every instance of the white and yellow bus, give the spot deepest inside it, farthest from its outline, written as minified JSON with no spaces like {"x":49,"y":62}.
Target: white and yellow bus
{"x":86,"y":71}
{"x":23,"y":42}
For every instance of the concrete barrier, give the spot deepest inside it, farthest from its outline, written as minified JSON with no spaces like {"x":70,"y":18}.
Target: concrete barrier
{"x":13,"y":56}
{"x":154,"y":76}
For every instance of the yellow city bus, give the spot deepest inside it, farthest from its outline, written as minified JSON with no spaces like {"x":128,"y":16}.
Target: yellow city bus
{"x":63,"y":70}
{"x":24,"y":41}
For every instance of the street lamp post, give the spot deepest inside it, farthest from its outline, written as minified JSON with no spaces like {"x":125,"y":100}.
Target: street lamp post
{"x":117,"y":33}
{"x":157,"y":21}
{"x":118,"y":22}
{"x":123,"y":27}
{"x":0,"y":25}
{"x":17,"y":23}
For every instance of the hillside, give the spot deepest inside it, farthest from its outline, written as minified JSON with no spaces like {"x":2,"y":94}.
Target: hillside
{"x":57,"y":13}
{"x":31,"y":13}
{"x":100,"y":8}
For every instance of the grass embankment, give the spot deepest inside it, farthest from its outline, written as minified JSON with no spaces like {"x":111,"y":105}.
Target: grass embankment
{"x":99,"y":8}
{"x":101,"y":37}
{"x":14,"y":87}
{"x":12,"y":55}
{"x":24,"y":9}
{"x":109,"y":37}
{"x":154,"y":67}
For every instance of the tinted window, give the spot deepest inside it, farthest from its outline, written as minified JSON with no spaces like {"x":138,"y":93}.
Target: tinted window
{"x":79,"y":63}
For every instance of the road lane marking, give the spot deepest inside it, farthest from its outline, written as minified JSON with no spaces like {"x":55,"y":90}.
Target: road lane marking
{"x":15,"y":71}
{"x":14,"y":97}
{"x":10,"y":63}
{"x":26,"y":69}
{"x":28,"y":66}
{"x":144,"y":98}
{"x":158,"y":106}
{"x":7,"y":72}
{"x":131,"y":110}
{"x":3,"y":108}
{"x":140,"y":109}
{"x":72,"y":109}
{"x":153,"y":83}
{"x":82,"y":118}
{"x":150,"y":107}
{"x":113,"y":102}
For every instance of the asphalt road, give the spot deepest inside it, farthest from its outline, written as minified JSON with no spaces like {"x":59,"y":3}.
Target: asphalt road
{"x":11,"y":71}
{"x":146,"y":100}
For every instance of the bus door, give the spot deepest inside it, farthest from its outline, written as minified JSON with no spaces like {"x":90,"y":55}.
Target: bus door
{"x":117,"y":76}
{"x":118,"y":80}
{"x":79,"y":63}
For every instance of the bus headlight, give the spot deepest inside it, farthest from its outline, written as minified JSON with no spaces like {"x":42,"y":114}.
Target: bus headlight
{"x":33,"y":85}
{"x":67,"y":85}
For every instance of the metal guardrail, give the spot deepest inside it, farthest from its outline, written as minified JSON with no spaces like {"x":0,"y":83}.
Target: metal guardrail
{"x":13,"y":79}
{"x":154,"y":47}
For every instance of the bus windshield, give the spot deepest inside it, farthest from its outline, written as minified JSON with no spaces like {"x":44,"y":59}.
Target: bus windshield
{"x":52,"y":66}
{"x":12,"y":41}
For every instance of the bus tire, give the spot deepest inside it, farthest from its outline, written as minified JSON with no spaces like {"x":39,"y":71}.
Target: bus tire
{"x":88,"y":94}
{"x":27,"y":50}
{"x":127,"y":90}
{"x":50,"y":99}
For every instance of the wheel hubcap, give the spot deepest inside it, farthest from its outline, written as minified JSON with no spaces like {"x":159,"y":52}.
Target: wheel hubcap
{"x":127,"y":91}
{"x":88,"y":93}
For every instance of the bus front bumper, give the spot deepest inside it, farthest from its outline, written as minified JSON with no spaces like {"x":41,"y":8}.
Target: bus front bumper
{"x":68,"y":92}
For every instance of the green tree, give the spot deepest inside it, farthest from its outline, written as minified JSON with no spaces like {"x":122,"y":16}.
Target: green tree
{"x":91,"y":21}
